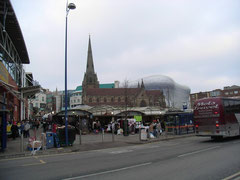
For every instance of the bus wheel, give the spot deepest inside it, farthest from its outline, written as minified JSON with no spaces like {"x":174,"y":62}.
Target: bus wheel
{"x":217,"y":138}
{"x":213,"y":137}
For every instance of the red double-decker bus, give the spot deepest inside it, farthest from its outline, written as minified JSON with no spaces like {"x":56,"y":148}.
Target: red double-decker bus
{"x":217,"y":117}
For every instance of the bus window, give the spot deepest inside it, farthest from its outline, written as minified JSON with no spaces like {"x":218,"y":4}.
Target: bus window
{"x":237,"y":105}
{"x":225,"y":103}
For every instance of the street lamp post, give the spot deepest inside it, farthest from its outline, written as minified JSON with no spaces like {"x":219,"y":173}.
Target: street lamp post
{"x":68,"y":8}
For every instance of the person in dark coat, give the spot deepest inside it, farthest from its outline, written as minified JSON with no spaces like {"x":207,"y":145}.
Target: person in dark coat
{"x":14,"y":130}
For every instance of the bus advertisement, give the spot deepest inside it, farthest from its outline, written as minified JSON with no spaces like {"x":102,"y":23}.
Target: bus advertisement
{"x":217,"y":117}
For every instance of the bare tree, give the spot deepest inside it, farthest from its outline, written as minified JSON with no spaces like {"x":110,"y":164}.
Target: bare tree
{"x":126,"y":103}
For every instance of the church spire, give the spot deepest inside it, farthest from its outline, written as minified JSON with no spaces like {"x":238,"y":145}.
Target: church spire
{"x":90,"y":79}
{"x":142,"y":85}
{"x":90,"y":66}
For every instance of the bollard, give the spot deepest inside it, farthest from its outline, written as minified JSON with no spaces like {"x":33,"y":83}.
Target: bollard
{"x":112,"y":134}
{"x":80,"y":133}
{"x":80,"y":136}
{"x":21,"y":142}
{"x":35,"y":133}
{"x":139,"y":133}
{"x":43,"y":142}
{"x":102,"y":134}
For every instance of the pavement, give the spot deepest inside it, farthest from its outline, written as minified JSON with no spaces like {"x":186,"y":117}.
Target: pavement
{"x":86,"y":143}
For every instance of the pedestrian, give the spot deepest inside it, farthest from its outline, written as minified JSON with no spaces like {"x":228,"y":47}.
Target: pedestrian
{"x":14,"y":130}
{"x":37,"y":123}
{"x":26,"y":129}
{"x":98,"y":126}
{"x":151,"y":130}
{"x":159,"y":128}
{"x":54,"y":128}
{"x":163,"y":125}
{"x":155,"y":131}
{"x":44,"y":126}
{"x":19,"y":127}
{"x":22,"y":128}
{"x":132,"y":126}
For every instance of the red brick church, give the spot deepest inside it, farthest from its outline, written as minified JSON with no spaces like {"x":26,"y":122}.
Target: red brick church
{"x":131,"y":97}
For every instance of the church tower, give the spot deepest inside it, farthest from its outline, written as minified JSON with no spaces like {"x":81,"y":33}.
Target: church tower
{"x":90,"y":77}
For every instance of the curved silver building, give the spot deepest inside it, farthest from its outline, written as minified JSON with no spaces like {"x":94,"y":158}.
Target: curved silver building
{"x":176,"y":95}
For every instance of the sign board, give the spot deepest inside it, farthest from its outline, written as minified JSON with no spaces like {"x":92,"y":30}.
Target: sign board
{"x":138,"y":118}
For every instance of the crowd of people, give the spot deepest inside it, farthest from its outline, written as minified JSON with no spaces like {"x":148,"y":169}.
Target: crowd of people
{"x":22,"y":128}
{"x":154,"y":128}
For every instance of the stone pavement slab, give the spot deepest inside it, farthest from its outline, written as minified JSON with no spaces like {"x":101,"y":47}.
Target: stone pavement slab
{"x":88,"y":142}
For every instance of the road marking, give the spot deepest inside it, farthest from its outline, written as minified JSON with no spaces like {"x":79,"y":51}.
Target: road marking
{"x":43,"y":162}
{"x":236,"y":142}
{"x":33,"y":164}
{"x":152,"y":147}
{"x":237,"y":175}
{"x":110,"y":171}
{"x":195,"y":152}
{"x":121,"y":151}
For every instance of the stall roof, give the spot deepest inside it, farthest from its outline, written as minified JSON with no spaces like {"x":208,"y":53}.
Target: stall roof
{"x":75,"y":112}
{"x":14,"y":31}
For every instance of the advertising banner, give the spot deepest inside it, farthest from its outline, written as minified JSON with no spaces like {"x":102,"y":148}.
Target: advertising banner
{"x":3,"y":73}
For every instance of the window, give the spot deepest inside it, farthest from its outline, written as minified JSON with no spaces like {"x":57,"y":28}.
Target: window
{"x":42,"y":105}
{"x":226,"y":93}
{"x":119,"y":99}
{"x":98,"y":100}
{"x":231,"y":106}
{"x":42,"y":98}
{"x":78,"y":100}
{"x":235,"y":92}
{"x":215,"y":93}
{"x":105,"y":99}
{"x":90,"y":100}
{"x":112,"y":99}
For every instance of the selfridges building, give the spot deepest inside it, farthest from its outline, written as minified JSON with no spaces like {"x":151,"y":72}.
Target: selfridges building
{"x":176,"y":95}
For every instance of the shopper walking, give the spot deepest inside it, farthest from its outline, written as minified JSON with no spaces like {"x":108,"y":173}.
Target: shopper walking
{"x":26,"y":129}
{"x":14,"y":130}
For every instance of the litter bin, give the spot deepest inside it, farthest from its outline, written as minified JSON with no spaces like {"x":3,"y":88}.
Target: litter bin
{"x":62,"y":138}
{"x":49,"y":140}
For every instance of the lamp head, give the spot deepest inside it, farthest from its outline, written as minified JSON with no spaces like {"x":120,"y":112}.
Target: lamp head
{"x":71,"y":6}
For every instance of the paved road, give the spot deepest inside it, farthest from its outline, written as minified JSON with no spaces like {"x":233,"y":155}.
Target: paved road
{"x":188,"y":158}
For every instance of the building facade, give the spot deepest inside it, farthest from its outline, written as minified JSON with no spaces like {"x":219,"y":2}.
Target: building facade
{"x":176,"y":95}
{"x":16,"y":85}
{"x":228,"y":91}
{"x":76,"y":97}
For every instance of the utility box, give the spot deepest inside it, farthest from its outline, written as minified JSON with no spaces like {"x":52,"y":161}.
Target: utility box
{"x":143,"y":134}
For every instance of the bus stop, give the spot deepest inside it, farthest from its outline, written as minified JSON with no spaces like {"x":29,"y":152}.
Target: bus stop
{"x":178,"y":123}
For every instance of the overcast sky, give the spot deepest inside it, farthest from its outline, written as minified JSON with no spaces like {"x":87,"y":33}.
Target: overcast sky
{"x":195,"y":42}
